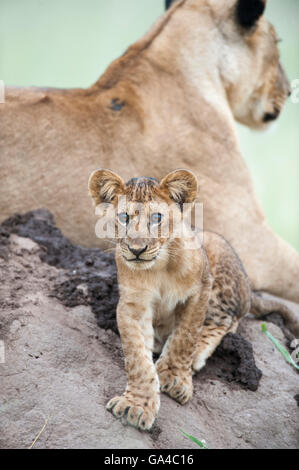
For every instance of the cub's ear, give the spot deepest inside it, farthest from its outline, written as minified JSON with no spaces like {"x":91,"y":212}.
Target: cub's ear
{"x":181,"y":186}
{"x":104,"y":186}
{"x":249,"y":12}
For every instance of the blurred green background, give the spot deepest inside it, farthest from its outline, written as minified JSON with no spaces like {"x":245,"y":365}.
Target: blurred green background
{"x":69,"y":43}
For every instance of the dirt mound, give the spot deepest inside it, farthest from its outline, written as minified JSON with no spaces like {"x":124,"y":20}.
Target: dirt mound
{"x":90,"y":279}
{"x":90,"y":274}
{"x":59,"y":365}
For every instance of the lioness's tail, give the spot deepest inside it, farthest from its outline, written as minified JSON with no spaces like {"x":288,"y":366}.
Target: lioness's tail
{"x":261,"y":306}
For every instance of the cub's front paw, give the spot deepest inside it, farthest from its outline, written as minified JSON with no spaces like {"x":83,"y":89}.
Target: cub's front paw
{"x":176,"y":383}
{"x":140,"y":413}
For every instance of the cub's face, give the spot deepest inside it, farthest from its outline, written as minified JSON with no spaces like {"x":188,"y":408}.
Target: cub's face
{"x":145,"y":215}
{"x":143,"y":227}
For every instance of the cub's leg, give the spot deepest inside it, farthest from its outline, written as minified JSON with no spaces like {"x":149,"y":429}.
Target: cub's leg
{"x":139,"y":405}
{"x":230,"y":297}
{"x":175,"y":364}
{"x":211,"y":336}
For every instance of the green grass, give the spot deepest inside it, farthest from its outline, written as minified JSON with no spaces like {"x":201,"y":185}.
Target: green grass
{"x":201,"y":444}
{"x":279,"y":346}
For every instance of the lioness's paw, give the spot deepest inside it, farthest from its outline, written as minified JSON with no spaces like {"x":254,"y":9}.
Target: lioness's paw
{"x":177,"y":385}
{"x":132,"y":411}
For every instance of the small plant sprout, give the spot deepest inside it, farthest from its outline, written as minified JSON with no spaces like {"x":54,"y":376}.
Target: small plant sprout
{"x":202,"y":444}
{"x":280,"y":348}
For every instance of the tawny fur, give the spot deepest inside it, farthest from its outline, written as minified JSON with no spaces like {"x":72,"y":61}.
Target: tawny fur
{"x":169,"y":101}
{"x":176,"y":299}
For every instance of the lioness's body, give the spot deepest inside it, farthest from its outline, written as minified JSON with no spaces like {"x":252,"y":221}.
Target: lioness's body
{"x":164,"y":104}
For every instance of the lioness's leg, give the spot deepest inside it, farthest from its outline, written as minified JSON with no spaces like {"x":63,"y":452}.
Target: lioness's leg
{"x":175,"y":364}
{"x":273,"y":265}
{"x":139,"y":405}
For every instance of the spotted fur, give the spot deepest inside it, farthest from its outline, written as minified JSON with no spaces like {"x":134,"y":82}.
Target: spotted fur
{"x":176,"y":299}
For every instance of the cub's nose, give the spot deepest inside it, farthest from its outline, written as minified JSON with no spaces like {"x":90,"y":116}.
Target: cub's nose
{"x":137,"y":251}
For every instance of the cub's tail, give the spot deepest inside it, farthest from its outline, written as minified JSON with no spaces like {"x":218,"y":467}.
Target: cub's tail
{"x":261,"y":306}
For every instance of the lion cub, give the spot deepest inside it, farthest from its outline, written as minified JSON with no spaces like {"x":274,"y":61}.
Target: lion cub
{"x":178,"y":296}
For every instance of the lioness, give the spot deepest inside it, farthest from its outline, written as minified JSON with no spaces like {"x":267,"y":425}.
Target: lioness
{"x":177,"y":297}
{"x":169,"y":101}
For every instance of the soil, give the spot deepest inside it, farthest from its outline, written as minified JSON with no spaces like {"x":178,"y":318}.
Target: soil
{"x":90,"y":274}
{"x":64,"y":358}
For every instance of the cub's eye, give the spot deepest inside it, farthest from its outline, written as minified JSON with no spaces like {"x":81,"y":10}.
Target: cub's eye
{"x":156,"y":218}
{"x":124,"y":218}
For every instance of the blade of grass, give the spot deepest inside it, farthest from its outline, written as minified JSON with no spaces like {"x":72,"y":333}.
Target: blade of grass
{"x":39,"y":434}
{"x":279,"y":346}
{"x":202,"y":445}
